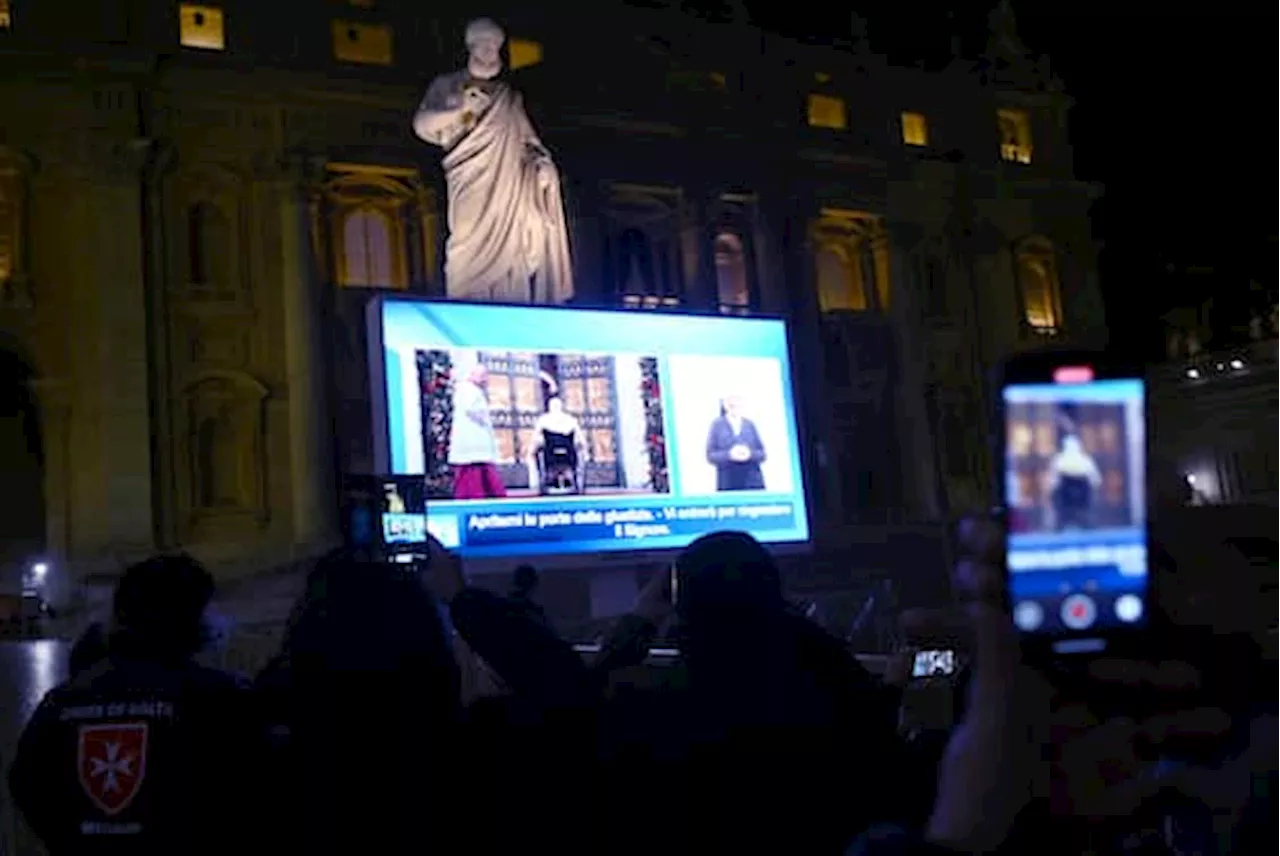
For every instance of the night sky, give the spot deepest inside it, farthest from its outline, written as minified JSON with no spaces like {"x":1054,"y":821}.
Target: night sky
{"x":1175,"y":113}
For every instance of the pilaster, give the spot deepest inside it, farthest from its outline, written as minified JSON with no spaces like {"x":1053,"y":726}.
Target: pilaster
{"x":312,"y":472}
{"x":919,"y":494}
{"x":112,"y":510}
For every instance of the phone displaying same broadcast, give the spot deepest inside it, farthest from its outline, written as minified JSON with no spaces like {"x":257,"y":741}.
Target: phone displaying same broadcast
{"x":1075,"y":495}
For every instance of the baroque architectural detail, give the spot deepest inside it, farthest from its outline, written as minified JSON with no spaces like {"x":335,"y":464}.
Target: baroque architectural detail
{"x":222,"y":447}
{"x":375,"y":227}
{"x":647,"y":260}
{"x":209,"y":250}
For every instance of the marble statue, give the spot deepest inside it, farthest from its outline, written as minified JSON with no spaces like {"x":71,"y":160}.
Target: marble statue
{"x":508,"y":238}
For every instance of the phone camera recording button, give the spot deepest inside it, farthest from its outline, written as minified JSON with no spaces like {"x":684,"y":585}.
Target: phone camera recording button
{"x":1028,"y":616}
{"x":1078,"y":612}
{"x":1128,"y":608}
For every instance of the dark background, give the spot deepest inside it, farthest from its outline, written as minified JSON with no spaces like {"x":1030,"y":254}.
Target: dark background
{"x":1175,"y":114}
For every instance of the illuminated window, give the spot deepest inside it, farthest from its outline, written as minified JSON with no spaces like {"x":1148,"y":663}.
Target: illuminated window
{"x":1015,"y":135}
{"x":915,"y":129}
{"x":368,"y":44}
{"x":731,"y":274}
{"x":524,"y":53}
{"x":827,"y":111}
{"x":374,"y":215}
{"x":1038,"y":286}
{"x":851,"y":261}
{"x":201,"y":27}
{"x":719,"y":80}
{"x":10,"y":225}
{"x":366,"y":249}
{"x":6,"y":15}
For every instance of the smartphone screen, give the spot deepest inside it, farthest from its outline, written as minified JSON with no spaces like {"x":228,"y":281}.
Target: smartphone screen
{"x":930,"y":664}
{"x":1075,"y":502}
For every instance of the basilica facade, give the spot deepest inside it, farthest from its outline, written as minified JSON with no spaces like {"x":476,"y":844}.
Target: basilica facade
{"x":197,"y":200}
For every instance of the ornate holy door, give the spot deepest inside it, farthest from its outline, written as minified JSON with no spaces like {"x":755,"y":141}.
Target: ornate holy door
{"x":515,"y":402}
{"x":590,"y":394}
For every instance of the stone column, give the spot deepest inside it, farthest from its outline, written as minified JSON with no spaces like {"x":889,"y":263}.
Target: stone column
{"x":312,"y":469}
{"x":919,"y":494}
{"x":702,"y":204}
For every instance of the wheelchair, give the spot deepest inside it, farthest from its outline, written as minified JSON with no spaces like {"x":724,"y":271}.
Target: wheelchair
{"x":559,"y":470}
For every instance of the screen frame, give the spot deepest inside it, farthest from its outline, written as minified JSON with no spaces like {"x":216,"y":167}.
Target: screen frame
{"x":1039,"y":367}
{"x":604,"y":561}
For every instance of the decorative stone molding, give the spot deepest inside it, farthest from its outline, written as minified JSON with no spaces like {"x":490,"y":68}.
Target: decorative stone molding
{"x":221,"y":447}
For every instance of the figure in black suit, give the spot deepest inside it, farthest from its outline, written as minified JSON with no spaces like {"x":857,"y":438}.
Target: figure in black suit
{"x":734,"y":448}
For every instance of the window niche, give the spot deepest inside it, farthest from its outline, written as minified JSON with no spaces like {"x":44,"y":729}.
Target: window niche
{"x":209,"y":243}
{"x":380,"y":225}
{"x":1039,"y":289}
{"x":644,"y":246}
{"x":851,"y":261}
{"x":222,"y":469}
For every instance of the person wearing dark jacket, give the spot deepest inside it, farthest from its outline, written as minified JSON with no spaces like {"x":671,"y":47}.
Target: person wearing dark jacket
{"x":89,"y":649}
{"x":143,"y":751}
{"x":364,"y":703}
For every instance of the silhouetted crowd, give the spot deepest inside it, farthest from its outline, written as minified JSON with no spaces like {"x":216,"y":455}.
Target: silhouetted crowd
{"x":408,"y":712}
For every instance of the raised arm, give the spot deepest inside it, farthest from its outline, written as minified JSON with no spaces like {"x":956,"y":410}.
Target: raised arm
{"x":439,"y":116}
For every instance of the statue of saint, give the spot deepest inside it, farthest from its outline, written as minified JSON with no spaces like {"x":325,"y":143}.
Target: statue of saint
{"x":508,"y":239}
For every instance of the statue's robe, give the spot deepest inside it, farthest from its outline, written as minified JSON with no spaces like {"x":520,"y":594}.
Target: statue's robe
{"x":508,"y":238}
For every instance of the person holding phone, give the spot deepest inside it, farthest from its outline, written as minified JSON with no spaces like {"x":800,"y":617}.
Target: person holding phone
{"x":1052,"y":763}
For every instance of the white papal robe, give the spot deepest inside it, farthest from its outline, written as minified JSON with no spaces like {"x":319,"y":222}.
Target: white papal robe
{"x":508,"y":238}
{"x":471,"y":438}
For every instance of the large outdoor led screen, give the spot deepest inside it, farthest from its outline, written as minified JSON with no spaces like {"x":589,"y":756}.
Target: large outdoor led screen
{"x":544,"y":430}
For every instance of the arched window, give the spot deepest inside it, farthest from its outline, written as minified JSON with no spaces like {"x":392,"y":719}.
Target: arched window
{"x":367,"y":250}
{"x":851,"y":260}
{"x":208,"y":246}
{"x":380,"y":225}
{"x":839,"y":280}
{"x":731,"y":274}
{"x":1038,"y":286}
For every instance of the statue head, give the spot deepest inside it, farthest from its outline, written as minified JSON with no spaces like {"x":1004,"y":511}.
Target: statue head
{"x":484,"y":42}
{"x":555,"y":405}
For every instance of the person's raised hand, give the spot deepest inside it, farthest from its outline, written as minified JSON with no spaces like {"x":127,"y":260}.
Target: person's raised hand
{"x":990,"y":770}
{"x":444,"y":575}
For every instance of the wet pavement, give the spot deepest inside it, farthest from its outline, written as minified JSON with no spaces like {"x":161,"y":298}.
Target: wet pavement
{"x":28,"y":670}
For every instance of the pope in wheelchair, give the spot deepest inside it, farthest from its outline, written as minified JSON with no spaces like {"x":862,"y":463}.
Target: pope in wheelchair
{"x":559,"y":452}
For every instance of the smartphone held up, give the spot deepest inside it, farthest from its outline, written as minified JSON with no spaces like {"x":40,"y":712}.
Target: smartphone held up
{"x":1074,"y":455}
